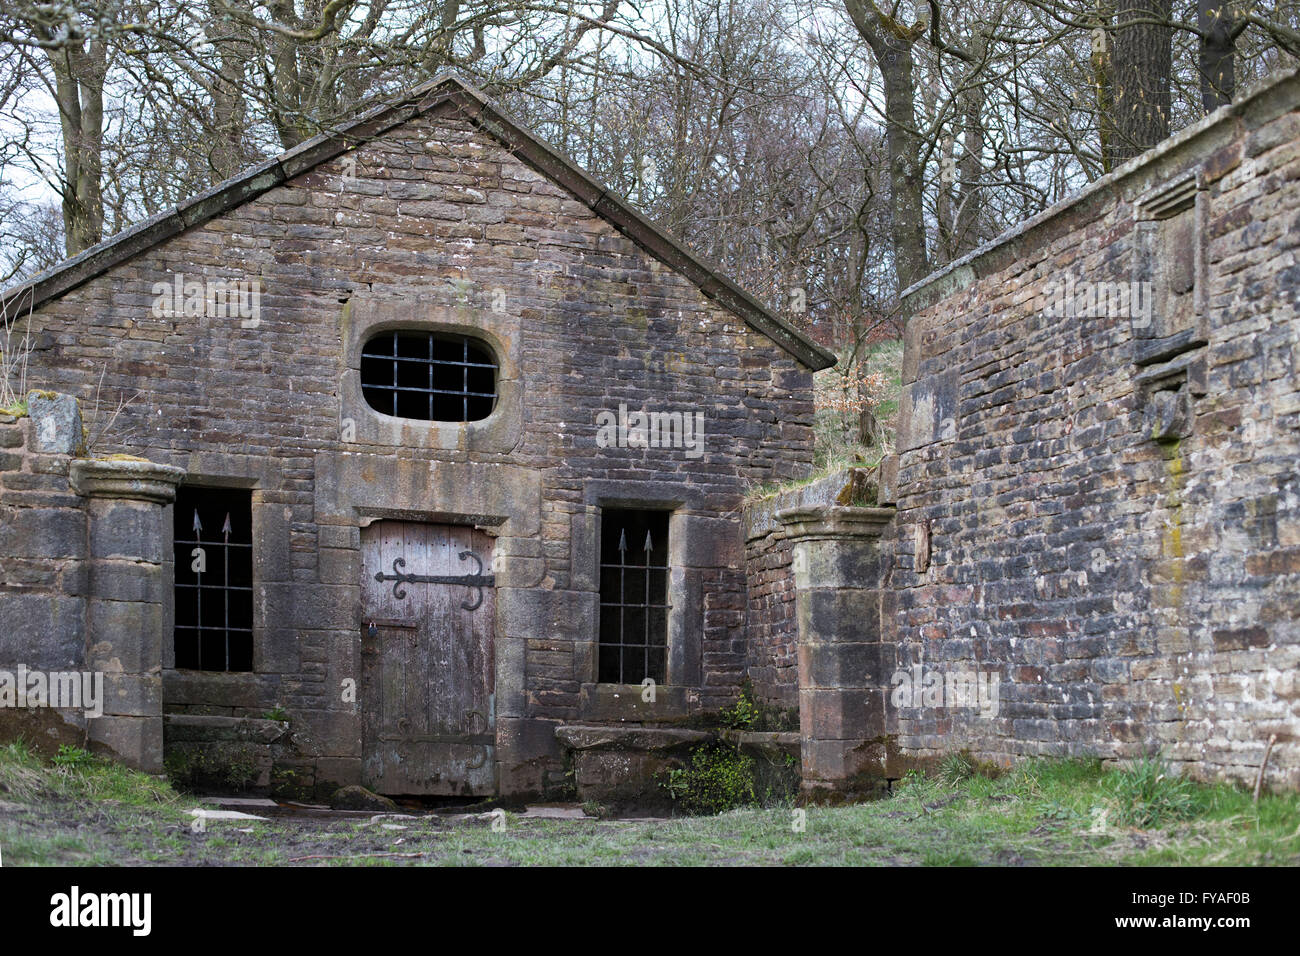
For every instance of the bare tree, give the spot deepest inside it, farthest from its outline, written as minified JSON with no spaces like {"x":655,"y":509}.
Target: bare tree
{"x":892,"y":41}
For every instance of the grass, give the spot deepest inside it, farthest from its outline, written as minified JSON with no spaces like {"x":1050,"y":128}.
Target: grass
{"x":74,"y":776}
{"x":1042,"y":812}
{"x":46,"y":809}
{"x":835,"y":433}
{"x":835,"y":440}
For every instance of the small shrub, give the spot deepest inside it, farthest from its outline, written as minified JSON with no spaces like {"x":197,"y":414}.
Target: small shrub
{"x":718,"y":778}
{"x":1149,"y":793}
{"x":69,"y":756}
{"x":276,"y":713}
{"x":742,"y":715}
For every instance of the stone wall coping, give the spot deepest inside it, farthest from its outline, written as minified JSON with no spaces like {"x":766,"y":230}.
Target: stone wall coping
{"x":125,"y":478}
{"x":577,"y":737}
{"x":834,"y":521}
{"x":760,"y":517}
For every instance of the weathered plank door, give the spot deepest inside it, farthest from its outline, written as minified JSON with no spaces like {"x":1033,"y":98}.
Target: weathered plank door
{"x":426,"y":653}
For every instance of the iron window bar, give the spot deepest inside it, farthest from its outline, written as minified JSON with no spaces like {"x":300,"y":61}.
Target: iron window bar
{"x":198,"y":587}
{"x":649,"y":642}
{"x":432,"y":362}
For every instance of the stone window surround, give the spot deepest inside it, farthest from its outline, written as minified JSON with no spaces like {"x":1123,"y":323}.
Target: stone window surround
{"x":685,"y":594}
{"x":365,"y":317}
{"x":271,"y":527}
{"x":1183,"y":196}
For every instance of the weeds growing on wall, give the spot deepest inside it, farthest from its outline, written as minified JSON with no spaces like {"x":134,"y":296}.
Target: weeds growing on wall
{"x":718,"y":778}
{"x":743,"y":714}
{"x":748,"y":714}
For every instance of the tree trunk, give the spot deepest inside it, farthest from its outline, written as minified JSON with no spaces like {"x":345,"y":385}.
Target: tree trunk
{"x":1217,"y":67}
{"x":891,"y":44}
{"x":229,"y":107}
{"x":79,"y":92}
{"x":970,"y":170}
{"x":870,"y":430}
{"x":286,"y":82}
{"x":1140,"y":74}
{"x":1103,"y":40}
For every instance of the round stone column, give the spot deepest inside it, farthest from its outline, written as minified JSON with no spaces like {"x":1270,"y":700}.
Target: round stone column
{"x":128,"y":600}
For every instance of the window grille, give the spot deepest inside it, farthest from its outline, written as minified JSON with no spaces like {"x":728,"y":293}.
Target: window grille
{"x":633,"y":596}
{"x":213,"y":535}
{"x":429,"y":376}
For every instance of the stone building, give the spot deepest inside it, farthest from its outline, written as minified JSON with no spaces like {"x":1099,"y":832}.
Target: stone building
{"x":460,"y":442}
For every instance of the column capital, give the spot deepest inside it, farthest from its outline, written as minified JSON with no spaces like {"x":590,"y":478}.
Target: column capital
{"x":834,"y":521}
{"x":124,"y":477}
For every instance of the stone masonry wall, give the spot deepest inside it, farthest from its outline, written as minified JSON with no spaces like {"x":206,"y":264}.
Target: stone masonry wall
{"x":43,"y":576}
{"x":772,"y":662}
{"x":773,"y":630}
{"x":1103,"y":508}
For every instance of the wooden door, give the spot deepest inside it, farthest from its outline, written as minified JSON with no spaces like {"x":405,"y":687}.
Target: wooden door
{"x":428,"y":725}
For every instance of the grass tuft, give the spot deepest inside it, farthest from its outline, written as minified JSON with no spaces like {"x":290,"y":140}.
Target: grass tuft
{"x":1149,"y":793}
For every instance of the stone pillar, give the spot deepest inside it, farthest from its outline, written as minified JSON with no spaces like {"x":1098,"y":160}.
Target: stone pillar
{"x":128,"y":600}
{"x":841,"y":558}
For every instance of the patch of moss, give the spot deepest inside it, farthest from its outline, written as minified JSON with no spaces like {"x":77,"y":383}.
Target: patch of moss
{"x":209,"y":768}
{"x":288,"y":783}
{"x":862,"y":489}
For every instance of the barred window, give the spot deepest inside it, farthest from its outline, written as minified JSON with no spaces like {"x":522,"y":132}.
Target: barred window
{"x":429,"y":376}
{"x":633,"y":596}
{"x":213,"y":537}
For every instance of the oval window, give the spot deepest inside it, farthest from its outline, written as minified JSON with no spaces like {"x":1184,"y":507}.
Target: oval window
{"x":429,"y":376}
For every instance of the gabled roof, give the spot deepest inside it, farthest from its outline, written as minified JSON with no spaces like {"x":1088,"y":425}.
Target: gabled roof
{"x":540,"y":155}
